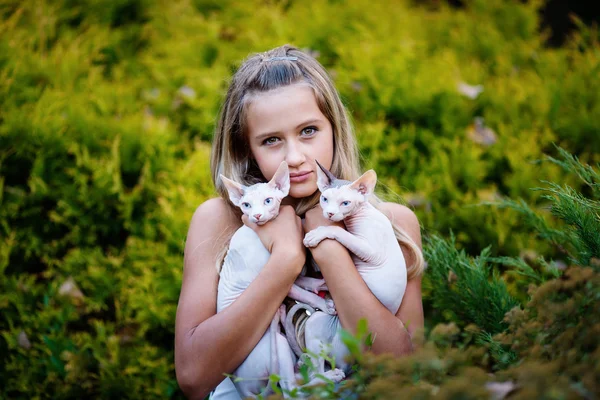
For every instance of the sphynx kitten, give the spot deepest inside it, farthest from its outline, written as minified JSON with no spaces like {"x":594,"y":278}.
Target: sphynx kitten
{"x":370,"y":238}
{"x":244,"y":260}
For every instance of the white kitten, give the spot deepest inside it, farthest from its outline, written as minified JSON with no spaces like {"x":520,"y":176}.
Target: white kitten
{"x":370,"y":238}
{"x":244,"y":260}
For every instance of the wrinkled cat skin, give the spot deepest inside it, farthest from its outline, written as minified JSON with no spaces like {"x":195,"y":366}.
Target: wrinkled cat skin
{"x":244,"y":260}
{"x":370,"y":238}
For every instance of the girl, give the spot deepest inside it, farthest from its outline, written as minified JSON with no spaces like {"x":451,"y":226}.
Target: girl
{"x":281,"y":105}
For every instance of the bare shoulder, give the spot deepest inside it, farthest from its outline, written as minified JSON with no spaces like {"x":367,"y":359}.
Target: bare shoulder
{"x":212,"y":224}
{"x":404,"y":218}
{"x":210,"y":228}
{"x":215,"y":210}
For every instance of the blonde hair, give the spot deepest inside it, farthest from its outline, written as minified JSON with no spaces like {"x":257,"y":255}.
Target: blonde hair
{"x":267,"y":71}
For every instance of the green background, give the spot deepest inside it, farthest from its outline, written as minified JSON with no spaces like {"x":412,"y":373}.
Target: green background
{"x":106,"y":115}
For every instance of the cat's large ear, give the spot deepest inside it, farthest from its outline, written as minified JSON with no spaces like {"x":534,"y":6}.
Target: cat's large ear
{"x":235,"y":190}
{"x":366,"y":183}
{"x":324,"y":177}
{"x":281,"y":179}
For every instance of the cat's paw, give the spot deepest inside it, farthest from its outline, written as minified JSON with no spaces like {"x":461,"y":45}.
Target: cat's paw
{"x":330,"y":307}
{"x":282,"y":313}
{"x":314,"y":285}
{"x":336,"y":375}
{"x":314,"y":237}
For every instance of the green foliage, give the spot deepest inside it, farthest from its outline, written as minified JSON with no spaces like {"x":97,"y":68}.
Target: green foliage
{"x":469,"y":291}
{"x":106,"y":111}
{"x":559,"y":327}
{"x":580,"y":240}
{"x":466,"y":290}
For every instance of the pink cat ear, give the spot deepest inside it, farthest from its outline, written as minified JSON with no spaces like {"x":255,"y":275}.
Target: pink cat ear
{"x":366,"y":183}
{"x":281,"y":179}
{"x":324,"y":177}
{"x":235,"y":190}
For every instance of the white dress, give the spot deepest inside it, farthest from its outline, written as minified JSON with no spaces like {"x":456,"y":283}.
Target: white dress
{"x":225,"y":391}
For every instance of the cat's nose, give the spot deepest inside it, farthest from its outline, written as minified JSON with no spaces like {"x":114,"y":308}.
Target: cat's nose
{"x":257,"y":216}
{"x":330,"y":214}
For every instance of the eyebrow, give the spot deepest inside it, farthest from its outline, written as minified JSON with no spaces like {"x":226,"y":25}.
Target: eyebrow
{"x":269,"y":134}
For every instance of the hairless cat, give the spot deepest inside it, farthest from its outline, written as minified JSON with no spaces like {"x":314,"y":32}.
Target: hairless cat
{"x":370,"y":238}
{"x":244,"y":260}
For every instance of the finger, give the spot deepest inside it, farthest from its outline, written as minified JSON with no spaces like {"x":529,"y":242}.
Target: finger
{"x":248,"y":223}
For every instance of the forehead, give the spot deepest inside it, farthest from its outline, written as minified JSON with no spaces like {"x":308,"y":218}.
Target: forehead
{"x":335,"y":191}
{"x":338,"y":183}
{"x":282,"y":109}
{"x":257,"y":192}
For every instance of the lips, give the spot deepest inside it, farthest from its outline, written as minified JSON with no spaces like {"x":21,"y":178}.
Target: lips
{"x":300,"y":176}
{"x":295,"y":174}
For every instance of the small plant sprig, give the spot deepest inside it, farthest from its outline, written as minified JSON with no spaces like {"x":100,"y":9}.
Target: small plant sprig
{"x":578,"y":236}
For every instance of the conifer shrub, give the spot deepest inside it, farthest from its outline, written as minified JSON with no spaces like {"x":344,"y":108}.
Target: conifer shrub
{"x":106,"y":111}
{"x":466,"y":290}
{"x":559,"y":331}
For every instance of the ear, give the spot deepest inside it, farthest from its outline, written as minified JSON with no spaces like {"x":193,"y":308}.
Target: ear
{"x":281,"y":179}
{"x":366,"y":183}
{"x":324,"y":177}
{"x":235,"y":190}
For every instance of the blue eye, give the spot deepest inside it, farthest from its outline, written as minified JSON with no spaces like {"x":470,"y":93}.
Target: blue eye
{"x":246,"y":205}
{"x":324,"y":199}
{"x":345,"y":203}
{"x":269,"y":200}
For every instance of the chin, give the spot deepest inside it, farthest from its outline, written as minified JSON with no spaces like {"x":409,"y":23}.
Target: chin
{"x":300,"y":192}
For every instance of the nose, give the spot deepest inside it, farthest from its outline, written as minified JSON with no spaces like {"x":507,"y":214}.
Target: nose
{"x":330,"y":214}
{"x":257,"y":216}
{"x":294,"y":156}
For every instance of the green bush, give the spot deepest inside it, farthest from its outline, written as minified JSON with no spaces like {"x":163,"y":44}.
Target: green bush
{"x":106,"y":113}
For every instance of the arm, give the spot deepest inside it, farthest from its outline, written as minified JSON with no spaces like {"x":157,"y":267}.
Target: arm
{"x":209,"y":344}
{"x":357,"y":245}
{"x":354,"y":300}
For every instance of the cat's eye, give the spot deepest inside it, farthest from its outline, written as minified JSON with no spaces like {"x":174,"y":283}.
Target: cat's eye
{"x":246,"y":205}
{"x":345,"y":203}
{"x":268,"y":200}
{"x":324,"y":199}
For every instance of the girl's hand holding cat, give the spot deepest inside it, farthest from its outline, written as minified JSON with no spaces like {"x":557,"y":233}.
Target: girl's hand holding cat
{"x":282,"y":236}
{"x":314,"y":218}
{"x":327,"y":248}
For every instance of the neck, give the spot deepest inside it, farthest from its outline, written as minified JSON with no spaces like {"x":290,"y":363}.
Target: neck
{"x":290,"y":201}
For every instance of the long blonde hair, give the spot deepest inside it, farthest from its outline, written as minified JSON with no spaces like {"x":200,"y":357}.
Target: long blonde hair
{"x":270,"y":70}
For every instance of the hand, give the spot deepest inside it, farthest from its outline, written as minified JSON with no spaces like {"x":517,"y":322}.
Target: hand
{"x":325,"y":249}
{"x":314,"y":218}
{"x":282,"y":235}
{"x":317,"y":235}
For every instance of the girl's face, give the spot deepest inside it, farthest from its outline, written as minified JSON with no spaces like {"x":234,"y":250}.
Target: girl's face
{"x":286,"y":124}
